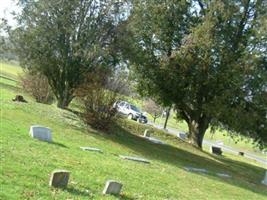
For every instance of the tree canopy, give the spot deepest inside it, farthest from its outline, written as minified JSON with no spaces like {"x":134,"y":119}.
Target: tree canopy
{"x":64,"y":40}
{"x":206,"y":58}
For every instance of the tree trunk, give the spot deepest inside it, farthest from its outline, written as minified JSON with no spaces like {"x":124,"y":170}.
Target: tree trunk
{"x":63,"y":101}
{"x":197,"y":131}
{"x":167,"y":117}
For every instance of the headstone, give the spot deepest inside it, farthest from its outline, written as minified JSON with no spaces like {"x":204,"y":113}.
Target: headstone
{"x":59,"y":178}
{"x":223,"y":175}
{"x":41,"y":133}
{"x":137,"y":159}
{"x":241,"y":153}
{"x":91,"y":149}
{"x":19,"y":98}
{"x":264,"y":181}
{"x":147,"y":133}
{"x":112,"y":187}
{"x":216,"y":150}
{"x":182,"y":135}
{"x":193,"y":169}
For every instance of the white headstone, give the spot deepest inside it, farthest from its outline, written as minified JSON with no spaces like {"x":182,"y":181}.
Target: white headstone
{"x":264,"y":181}
{"x":112,"y":187}
{"x":91,"y":149}
{"x":137,"y":159}
{"x":41,"y":133}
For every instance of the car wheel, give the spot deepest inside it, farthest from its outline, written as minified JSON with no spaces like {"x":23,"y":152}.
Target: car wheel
{"x":130,"y":116}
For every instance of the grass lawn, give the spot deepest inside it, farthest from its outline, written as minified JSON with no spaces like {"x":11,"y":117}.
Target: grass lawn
{"x":26,"y":163}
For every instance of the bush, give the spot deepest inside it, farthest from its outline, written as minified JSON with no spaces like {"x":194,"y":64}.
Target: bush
{"x":97,"y":96}
{"x":37,"y":86}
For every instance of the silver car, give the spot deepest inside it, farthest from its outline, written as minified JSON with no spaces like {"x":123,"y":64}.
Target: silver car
{"x":131,"y":111}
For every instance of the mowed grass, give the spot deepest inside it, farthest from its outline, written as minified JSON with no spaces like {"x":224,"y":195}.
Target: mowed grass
{"x":26,"y":163}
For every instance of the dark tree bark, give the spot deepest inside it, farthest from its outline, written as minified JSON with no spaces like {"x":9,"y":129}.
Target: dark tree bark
{"x":197,"y":129}
{"x":167,"y":118}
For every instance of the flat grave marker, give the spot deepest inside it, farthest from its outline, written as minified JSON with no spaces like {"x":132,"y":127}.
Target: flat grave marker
{"x":223,"y":175}
{"x":155,"y":140}
{"x":137,"y":159}
{"x":193,"y":169}
{"x":91,"y":149}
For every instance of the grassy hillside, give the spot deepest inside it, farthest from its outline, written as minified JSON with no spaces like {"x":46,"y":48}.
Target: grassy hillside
{"x":26,"y":163}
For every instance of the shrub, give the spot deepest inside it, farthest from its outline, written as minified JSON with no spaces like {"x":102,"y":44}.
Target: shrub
{"x":97,"y":96}
{"x":37,"y":86}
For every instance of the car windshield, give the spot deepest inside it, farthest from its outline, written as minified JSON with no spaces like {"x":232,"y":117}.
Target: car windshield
{"x":134,"y":108}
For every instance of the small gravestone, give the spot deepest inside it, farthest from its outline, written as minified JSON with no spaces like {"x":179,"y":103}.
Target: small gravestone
{"x":41,"y":133}
{"x":223,"y":175}
{"x":193,"y":169}
{"x":147,"y":133}
{"x":241,"y":153}
{"x":182,"y":135}
{"x":91,"y":149}
{"x":216,"y":150}
{"x":59,"y":178}
{"x":112,"y":187}
{"x":19,"y":98}
{"x":264,"y":181}
{"x":137,"y":159}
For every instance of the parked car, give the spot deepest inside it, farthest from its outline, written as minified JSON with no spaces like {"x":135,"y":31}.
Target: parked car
{"x":131,"y":111}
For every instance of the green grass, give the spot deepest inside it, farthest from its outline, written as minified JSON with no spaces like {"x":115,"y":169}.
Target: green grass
{"x":26,"y":163}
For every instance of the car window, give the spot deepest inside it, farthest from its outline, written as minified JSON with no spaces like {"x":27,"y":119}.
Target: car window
{"x":135,"y":108}
{"x":121,"y":104}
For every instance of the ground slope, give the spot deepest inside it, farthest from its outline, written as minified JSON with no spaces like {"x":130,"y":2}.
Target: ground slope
{"x":26,"y":163}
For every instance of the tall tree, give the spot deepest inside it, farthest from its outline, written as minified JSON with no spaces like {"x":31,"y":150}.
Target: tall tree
{"x":206,"y":58}
{"x":64,"y":40}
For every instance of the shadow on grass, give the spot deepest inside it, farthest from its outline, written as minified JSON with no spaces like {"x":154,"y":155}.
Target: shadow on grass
{"x":243,"y":174}
{"x":77,"y":192}
{"x":58,"y":144}
{"x":123,"y":197}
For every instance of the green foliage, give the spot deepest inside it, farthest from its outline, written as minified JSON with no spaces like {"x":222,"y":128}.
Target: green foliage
{"x":64,"y":40}
{"x":207,"y":58}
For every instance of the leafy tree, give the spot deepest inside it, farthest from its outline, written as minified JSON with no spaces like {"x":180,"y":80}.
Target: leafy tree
{"x":64,"y":40}
{"x":206,"y":58}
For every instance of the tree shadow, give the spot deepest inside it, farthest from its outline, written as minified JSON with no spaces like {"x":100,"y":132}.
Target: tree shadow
{"x":247,"y":175}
